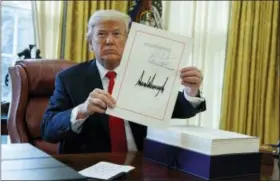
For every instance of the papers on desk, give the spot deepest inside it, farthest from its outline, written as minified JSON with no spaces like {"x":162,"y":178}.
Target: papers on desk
{"x":105,"y":171}
{"x":148,"y":80}
{"x":205,"y":140}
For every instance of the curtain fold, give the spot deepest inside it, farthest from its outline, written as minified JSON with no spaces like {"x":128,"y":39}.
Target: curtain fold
{"x":75,"y":46}
{"x":251,"y":92}
{"x":47,"y":20}
{"x":207,"y":23}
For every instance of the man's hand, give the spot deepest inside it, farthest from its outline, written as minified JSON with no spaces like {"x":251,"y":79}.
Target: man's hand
{"x":192,"y":78}
{"x":97,"y":102}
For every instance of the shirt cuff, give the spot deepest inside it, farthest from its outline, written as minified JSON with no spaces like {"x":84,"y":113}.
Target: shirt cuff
{"x":76,"y":124}
{"x":195,"y":101}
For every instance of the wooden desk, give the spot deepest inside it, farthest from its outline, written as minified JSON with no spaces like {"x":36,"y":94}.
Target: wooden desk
{"x":24,"y":157}
{"x":25,"y":162}
{"x":20,"y":151}
{"x":148,"y":170}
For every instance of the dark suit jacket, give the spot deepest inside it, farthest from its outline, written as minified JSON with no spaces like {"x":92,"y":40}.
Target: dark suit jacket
{"x":72,"y":87}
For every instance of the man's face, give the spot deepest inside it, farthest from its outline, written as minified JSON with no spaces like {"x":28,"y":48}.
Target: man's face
{"x":108,"y":42}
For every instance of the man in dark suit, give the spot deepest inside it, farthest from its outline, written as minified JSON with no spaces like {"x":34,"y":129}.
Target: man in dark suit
{"x":75,"y":115}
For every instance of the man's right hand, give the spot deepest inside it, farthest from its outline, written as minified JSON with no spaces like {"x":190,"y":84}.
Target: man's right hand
{"x":97,"y":102}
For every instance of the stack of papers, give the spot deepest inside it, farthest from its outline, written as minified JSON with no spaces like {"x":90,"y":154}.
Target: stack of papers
{"x":205,"y":140}
{"x":105,"y":171}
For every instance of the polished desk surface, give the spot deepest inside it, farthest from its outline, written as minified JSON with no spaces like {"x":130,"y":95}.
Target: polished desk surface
{"x":25,"y":162}
{"x":144,"y":169}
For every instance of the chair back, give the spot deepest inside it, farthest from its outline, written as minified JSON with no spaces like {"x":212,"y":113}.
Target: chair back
{"x":32,"y":83}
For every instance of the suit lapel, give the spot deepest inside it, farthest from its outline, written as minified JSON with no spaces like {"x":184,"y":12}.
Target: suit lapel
{"x":93,"y":81}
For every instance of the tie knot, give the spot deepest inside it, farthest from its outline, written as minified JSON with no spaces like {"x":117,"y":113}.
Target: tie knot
{"x":111,"y":75}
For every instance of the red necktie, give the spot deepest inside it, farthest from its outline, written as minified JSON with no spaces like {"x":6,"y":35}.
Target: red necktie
{"x":116,"y":125}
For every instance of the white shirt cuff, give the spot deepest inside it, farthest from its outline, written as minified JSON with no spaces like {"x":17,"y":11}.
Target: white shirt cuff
{"x":195,"y":101}
{"x":76,"y":125}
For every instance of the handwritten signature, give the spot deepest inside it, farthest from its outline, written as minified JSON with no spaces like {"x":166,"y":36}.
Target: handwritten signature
{"x":150,"y":83}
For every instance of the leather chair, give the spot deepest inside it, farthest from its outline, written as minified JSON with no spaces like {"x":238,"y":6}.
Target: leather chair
{"x":32,"y":83}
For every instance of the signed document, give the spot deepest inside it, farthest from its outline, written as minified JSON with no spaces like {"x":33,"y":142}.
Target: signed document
{"x":148,"y":80}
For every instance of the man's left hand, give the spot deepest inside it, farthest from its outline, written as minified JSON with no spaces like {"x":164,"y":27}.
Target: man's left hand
{"x":191,"y":78}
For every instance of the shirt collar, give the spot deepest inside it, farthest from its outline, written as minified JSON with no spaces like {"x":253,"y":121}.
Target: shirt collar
{"x":103,"y":71}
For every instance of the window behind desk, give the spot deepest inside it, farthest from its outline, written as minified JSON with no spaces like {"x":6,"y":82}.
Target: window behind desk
{"x":17,"y":34}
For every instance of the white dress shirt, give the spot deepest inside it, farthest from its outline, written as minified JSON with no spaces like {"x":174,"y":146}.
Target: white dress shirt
{"x":76,"y":125}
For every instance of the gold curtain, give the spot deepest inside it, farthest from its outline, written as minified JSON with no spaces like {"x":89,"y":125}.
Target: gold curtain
{"x":251,"y":92}
{"x":75,"y":47}
{"x":47,"y":19}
